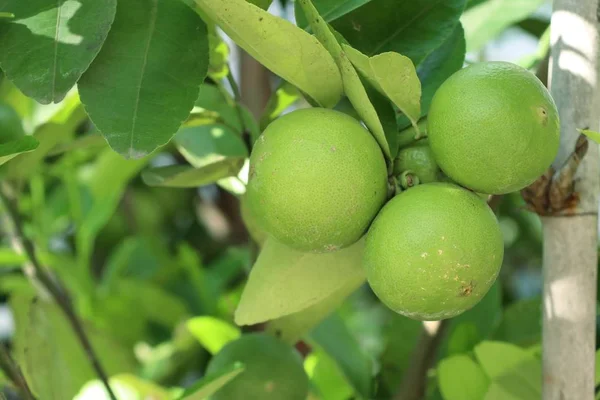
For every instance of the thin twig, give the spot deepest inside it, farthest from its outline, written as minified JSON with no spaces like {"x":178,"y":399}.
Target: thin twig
{"x":51,"y":285}
{"x":238,"y":108}
{"x":13,"y":372}
{"x":414,"y":382}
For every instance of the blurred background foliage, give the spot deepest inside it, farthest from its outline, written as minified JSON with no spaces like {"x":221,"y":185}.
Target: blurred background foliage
{"x":156,"y":262}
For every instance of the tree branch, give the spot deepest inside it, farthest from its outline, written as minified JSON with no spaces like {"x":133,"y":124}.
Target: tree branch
{"x":58,"y":293}
{"x":414,"y":383}
{"x":13,"y":372}
{"x":570,"y":244}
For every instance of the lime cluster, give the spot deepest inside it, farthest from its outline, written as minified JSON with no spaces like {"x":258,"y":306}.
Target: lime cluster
{"x":318,"y":182}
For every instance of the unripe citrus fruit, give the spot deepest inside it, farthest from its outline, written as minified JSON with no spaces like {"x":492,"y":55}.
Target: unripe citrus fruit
{"x":433,"y":251}
{"x":317,"y":179}
{"x":419,"y":159}
{"x":273,"y":370}
{"x":256,"y":232}
{"x":10,"y":124}
{"x":493,"y":127}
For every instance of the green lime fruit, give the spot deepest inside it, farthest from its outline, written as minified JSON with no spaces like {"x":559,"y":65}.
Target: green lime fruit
{"x":433,"y":251}
{"x":10,"y":124}
{"x":273,"y":370}
{"x":493,"y":127}
{"x":419,"y":160}
{"x":254,"y":230}
{"x":317,"y":179}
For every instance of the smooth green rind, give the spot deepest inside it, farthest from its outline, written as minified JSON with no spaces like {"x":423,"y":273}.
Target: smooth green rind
{"x":144,"y":82}
{"x":419,"y":160}
{"x":284,"y":281}
{"x":280,"y":46}
{"x":493,"y":127}
{"x":317,"y":179}
{"x":353,"y":87}
{"x":46,"y":48}
{"x":394,"y":76}
{"x":433,"y":251}
{"x":273,"y":370}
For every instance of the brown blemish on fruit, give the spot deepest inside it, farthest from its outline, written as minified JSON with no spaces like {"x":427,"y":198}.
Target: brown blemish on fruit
{"x":543,"y":114}
{"x":251,"y":172}
{"x":440,"y":252}
{"x":333,"y":148}
{"x":466,"y":289}
{"x":332,"y":247}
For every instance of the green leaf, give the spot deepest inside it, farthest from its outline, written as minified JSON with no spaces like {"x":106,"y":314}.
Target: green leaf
{"x":144,"y":82}
{"x":327,"y":377}
{"x":49,"y":44}
{"x":498,"y":358}
{"x":48,"y":135}
{"x":264,"y":4}
{"x":211,"y":383}
{"x":488,"y":19}
{"x":522,"y":382}
{"x":436,"y":68}
{"x":595,"y":136}
{"x":280,"y":46}
{"x":293,"y":327}
{"x":521,"y":323}
{"x":411,"y":28}
{"x":125,"y":387}
{"x":285,"y":95}
{"x":203,"y":145}
{"x":329,"y":9}
{"x":400,"y":337}
{"x":460,"y":378}
{"x":9,"y":257}
{"x":353,"y":87}
{"x":92,"y":140}
{"x":284,"y":281}
{"x":394,"y":76}
{"x":51,"y":357}
{"x":212,"y":333}
{"x":213,"y":98}
{"x":182,"y":176}
{"x":11,"y":149}
{"x":335,"y":339}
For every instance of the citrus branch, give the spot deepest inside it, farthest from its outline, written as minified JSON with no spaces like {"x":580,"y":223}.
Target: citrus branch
{"x":56,"y":290}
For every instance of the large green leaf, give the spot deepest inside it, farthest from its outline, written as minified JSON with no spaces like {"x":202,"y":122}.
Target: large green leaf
{"x":486,"y":20}
{"x":202,"y":145}
{"x":522,"y":382}
{"x":333,"y":336}
{"x":293,"y":327}
{"x":436,"y":68}
{"x":353,"y":87}
{"x":11,"y":149}
{"x":329,"y":9}
{"x":498,"y":358}
{"x":210,"y":384}
{"x":411,"y":28}
{"x":284,"y":281}
{"x":212,"y":333}
{"x":46,"y":48}
{"x":394,"y":76}
{"x":327,"y":377}
{"x":53,"y":361}
{"x":144,"y":82}
{"x":280,"y":46}
{"x":183,"y":176}
{"x":521,"y":323}
{"x":460,"y":378}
